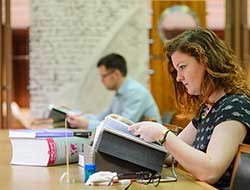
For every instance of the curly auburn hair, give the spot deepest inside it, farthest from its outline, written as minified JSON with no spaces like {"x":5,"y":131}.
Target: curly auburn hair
{"x":222,"y":69}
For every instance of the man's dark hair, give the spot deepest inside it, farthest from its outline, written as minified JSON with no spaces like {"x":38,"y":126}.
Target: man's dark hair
{"x":114,"y":61}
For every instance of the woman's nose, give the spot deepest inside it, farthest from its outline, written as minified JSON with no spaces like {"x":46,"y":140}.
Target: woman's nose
{"x":179,"y":77}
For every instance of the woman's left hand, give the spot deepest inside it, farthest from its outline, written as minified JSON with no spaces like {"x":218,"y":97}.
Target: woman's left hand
{"x":148,"y":131}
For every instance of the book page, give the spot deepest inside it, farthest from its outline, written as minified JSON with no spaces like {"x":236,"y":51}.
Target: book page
{"x":119,"y":126}
{"x":97,"y":137}
{"x":112,"y":121}
{"x":118,"y":123}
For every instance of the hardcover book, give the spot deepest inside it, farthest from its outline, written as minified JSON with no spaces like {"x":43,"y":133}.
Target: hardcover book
{"x":118,"y":126}
{"x":113,"y":138}
{"x":59,"y":113}
{"x":46,"y":151}
{"x":39,"y":133}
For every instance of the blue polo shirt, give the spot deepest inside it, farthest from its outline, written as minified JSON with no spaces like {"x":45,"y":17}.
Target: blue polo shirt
{"x":132,"y":101}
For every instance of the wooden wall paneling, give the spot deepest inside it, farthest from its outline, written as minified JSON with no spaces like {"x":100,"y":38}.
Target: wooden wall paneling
{"x":159,"y":80}
{"x":245,"y":36}
{"x":249,"y":54}
{"x":21,"y":78}
{"x":237,"y":24}
{"x":21,"y":67}
{"x":7,"y":54}
{"x":1,"y":65}
{"x":156,"y":56}
{"x":229,"y":21}
{"x":237,"y":32}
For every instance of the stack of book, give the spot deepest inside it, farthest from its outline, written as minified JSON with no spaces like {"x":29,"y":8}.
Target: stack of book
{"x":46,"y":147}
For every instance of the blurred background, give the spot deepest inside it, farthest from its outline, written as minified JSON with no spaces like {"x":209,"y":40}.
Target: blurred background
{"x":49,"y":50}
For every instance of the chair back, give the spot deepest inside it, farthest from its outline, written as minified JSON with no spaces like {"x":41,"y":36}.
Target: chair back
{"x":241,"y":171}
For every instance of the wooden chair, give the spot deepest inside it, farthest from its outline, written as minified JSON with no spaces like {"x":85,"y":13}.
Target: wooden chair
{"x":241,"y":171}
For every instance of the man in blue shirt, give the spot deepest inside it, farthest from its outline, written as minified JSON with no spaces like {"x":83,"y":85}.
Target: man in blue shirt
{"x":131,"y":100}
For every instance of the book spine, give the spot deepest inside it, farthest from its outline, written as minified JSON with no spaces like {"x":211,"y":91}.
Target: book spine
{"x":52,"y":151}
{"x":54,"y":134}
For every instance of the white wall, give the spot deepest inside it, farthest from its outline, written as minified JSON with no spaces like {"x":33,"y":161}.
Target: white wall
{"x":68,"y":37}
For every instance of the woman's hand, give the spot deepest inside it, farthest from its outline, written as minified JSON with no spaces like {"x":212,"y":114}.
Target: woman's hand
{"x":148,"y":131}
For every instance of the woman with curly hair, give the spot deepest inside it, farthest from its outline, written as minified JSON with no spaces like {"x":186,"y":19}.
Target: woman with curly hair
{"x":209,"y":81}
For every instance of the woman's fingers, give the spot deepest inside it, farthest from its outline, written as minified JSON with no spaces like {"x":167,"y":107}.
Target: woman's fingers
{"x":134,"y":127}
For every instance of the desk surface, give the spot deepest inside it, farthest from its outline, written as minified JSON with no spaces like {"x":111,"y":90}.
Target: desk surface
{"x":26,"y":177}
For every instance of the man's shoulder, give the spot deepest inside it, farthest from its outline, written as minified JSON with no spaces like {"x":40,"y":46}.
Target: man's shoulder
{"x":136,"y":86}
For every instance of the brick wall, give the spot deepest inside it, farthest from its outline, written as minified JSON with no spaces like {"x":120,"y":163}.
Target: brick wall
{"x":66,"y":40}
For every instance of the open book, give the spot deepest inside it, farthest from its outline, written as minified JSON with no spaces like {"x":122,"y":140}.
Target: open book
{"x":118,"y":125}
{"x":59,"y":113}
{"x":117,"y":147}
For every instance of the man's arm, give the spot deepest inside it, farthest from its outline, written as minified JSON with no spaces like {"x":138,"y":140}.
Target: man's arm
{"x":106,"y":112}
{"x":87,"y":121}
{"x":95,"y":120}
{"x":133,"y":106}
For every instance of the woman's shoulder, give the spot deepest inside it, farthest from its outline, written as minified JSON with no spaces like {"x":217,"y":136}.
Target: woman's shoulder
{"x":236,"y":99}
{"x":234,"y":107}
{"x":234,"y":103}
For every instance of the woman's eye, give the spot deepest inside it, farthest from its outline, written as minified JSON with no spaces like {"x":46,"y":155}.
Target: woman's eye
{"x":182,"y":67}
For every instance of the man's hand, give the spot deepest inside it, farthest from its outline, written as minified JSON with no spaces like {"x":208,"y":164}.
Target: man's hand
{"x":77,"y":121}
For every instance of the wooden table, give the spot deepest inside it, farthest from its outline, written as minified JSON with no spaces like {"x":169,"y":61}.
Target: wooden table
{"x":14,"y":177}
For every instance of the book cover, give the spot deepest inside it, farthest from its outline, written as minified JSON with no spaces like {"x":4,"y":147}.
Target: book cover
{"x":46,"y":151}
{"x":118,"y":125}
{"x":113,"y":138}
{"x":40,"y":133}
